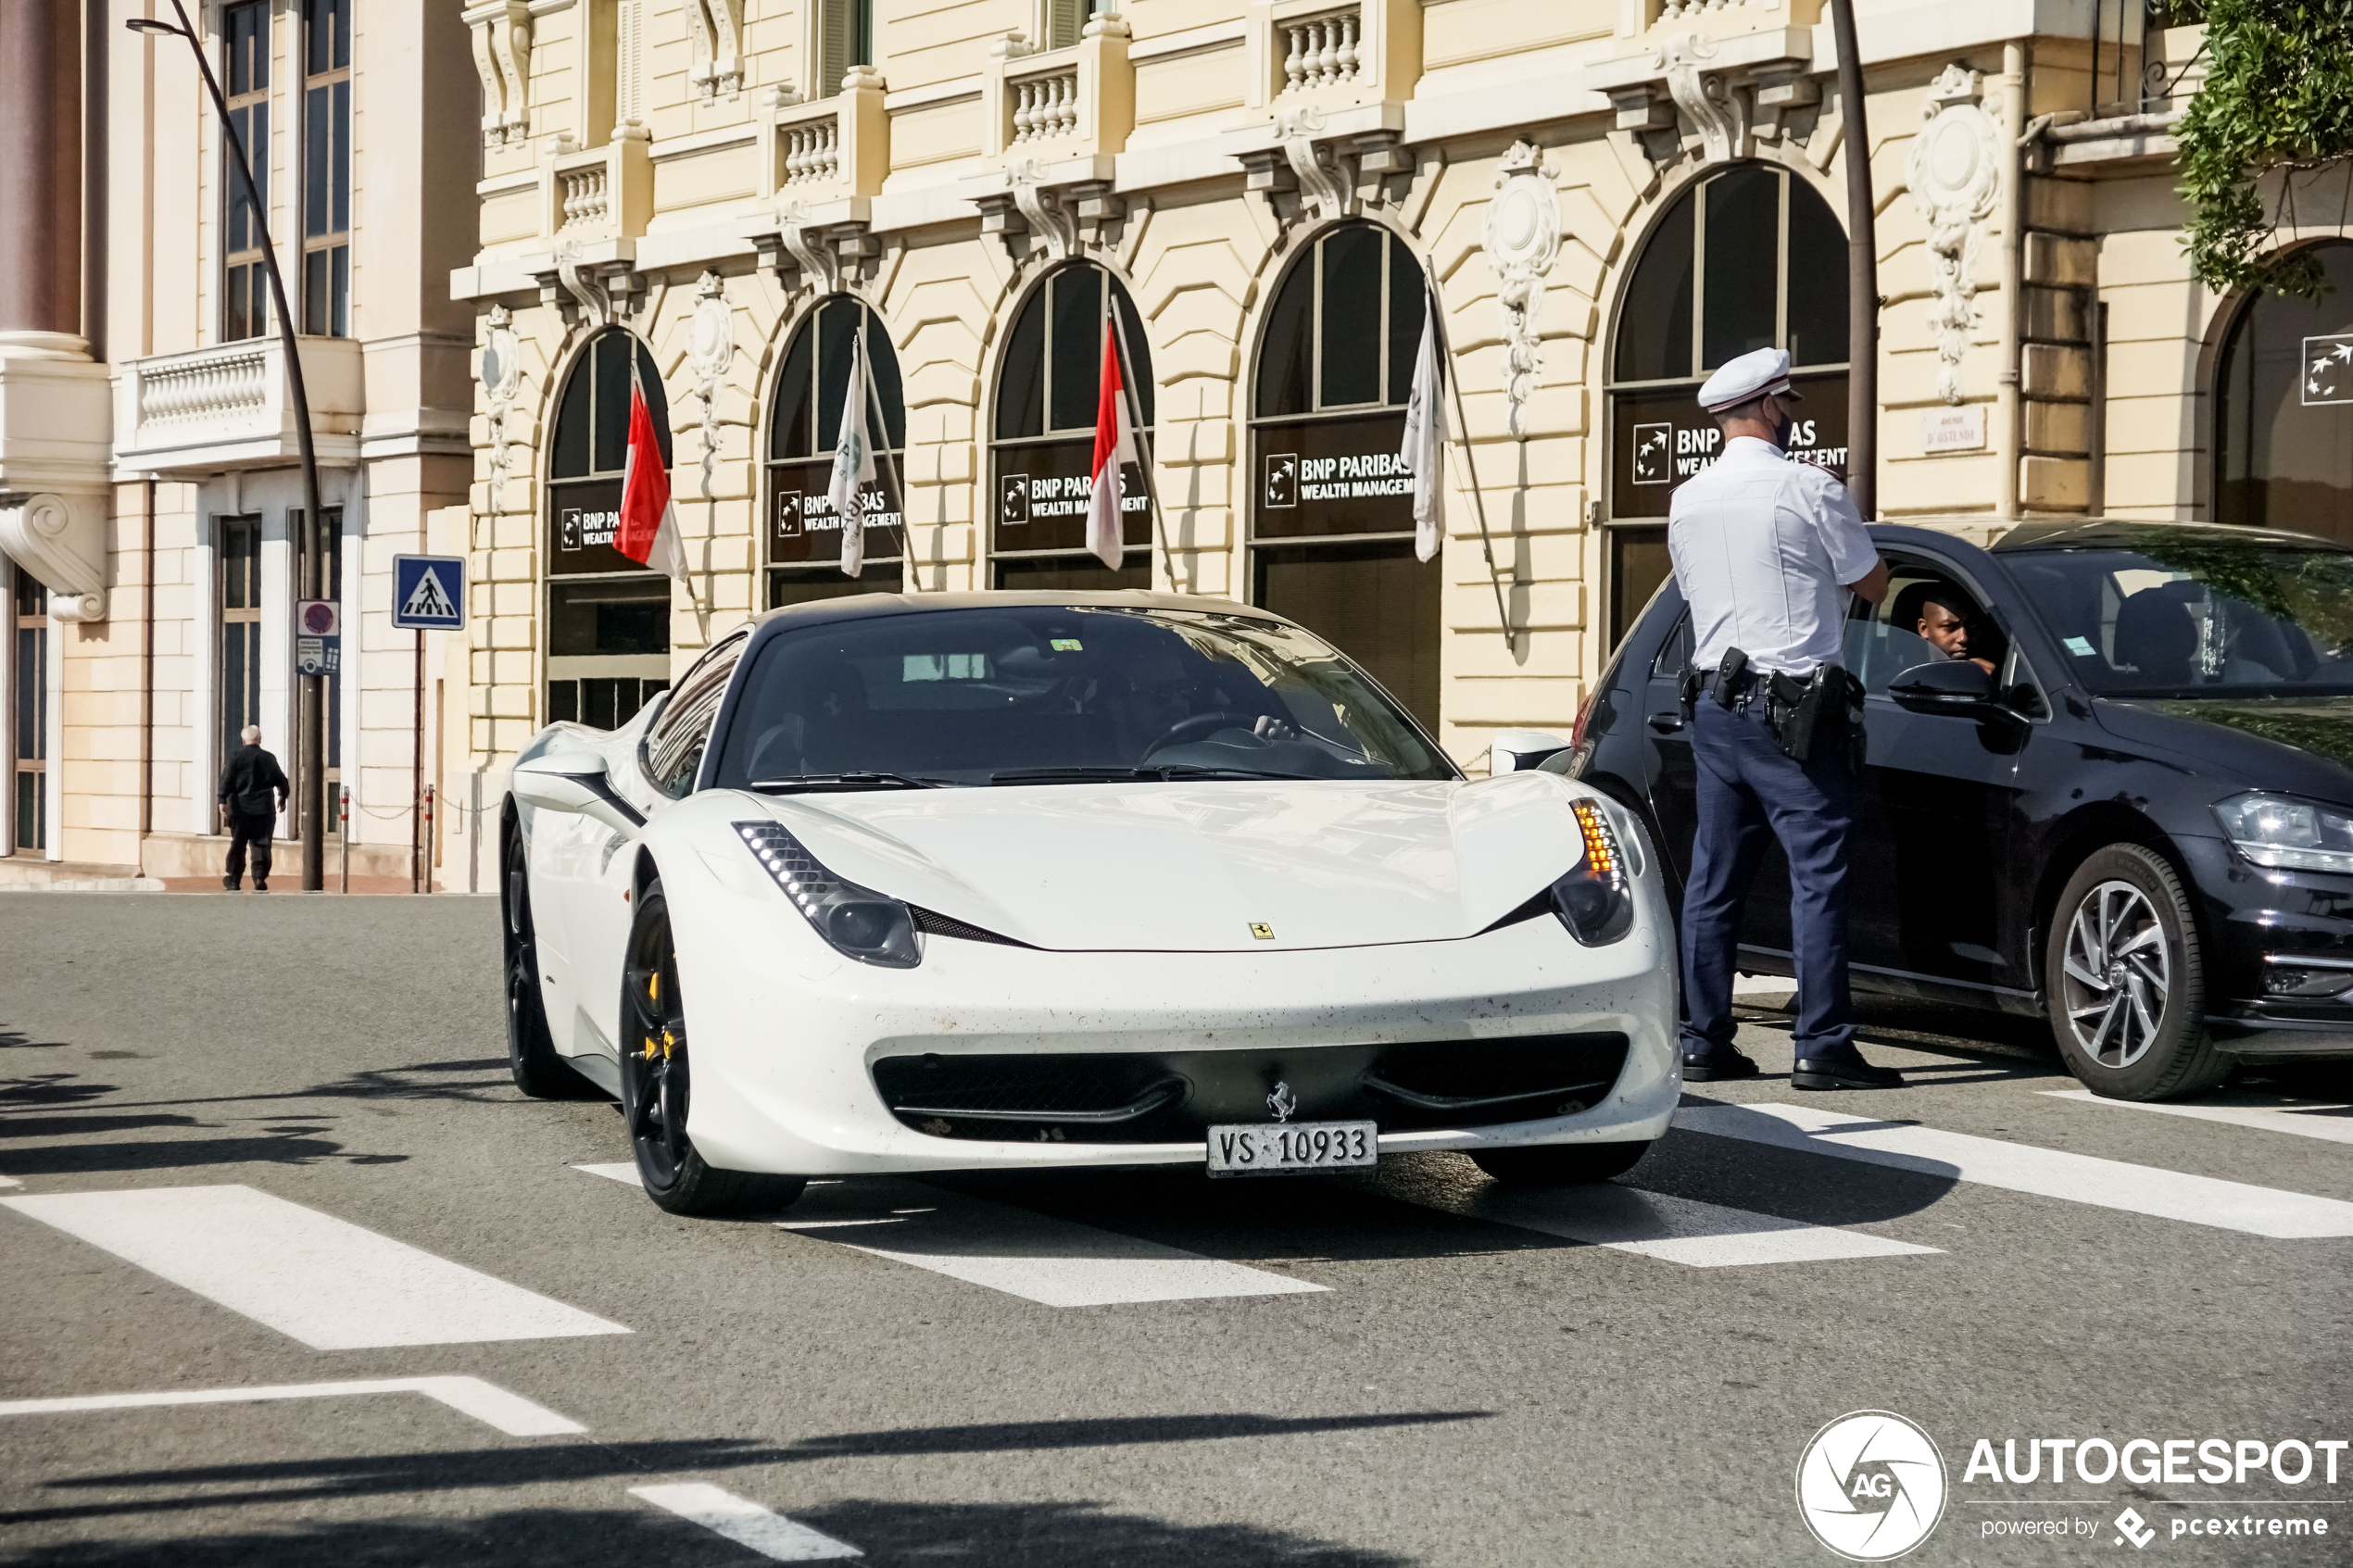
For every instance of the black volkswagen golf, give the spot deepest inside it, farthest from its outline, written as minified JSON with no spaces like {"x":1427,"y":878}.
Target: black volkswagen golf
{"x":2110,"y":781}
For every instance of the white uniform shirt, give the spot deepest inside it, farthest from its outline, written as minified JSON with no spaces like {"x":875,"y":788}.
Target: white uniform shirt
{"x":1762,"y":547}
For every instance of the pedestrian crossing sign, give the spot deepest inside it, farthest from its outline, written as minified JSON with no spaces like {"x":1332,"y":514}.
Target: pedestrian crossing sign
{"x":428,"y":593}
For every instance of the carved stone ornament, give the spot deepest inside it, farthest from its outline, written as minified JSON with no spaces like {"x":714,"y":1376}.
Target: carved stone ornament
{"x":580,"y":280}
{"x":1719,"y":112}
{"x":1955,"y":171}
{"x":1522,"y":236}
{"x":716,"y":29}
{"x":502,"y":58}
{"x":1324,"y":190}
{"x":501,"y":379}
{"x":710,"y":346}
{"x":61,"y":540}
{"x":805,"y":243}
{"x":1041,"y":208}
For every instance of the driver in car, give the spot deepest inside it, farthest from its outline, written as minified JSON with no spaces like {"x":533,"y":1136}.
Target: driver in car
{"x":1167,"y":693}
{"x":1943,"y":624}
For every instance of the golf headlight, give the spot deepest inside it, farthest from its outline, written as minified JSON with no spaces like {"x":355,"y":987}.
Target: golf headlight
{"x":859,"y":923}
{"x":1594,"y":900}
{"x":2272,"y":829}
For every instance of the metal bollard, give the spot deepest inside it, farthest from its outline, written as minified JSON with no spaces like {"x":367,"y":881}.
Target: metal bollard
{"x":343,"y":832}
{"x":426,"y":860}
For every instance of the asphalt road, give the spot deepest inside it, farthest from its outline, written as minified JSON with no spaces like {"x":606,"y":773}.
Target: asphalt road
{"x":1471,"y":1383}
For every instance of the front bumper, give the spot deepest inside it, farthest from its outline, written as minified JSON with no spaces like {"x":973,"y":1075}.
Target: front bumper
{"x":786,"y":1036}
{"x":2262,"y":918}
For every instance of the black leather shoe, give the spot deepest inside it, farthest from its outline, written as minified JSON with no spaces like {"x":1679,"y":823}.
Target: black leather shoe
{"x":229,"y":884}
{"x":1718,"y":1067}
{"x":1849,"y":1072}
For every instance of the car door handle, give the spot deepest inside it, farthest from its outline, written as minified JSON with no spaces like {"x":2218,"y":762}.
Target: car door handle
{"x":1667,"y":723}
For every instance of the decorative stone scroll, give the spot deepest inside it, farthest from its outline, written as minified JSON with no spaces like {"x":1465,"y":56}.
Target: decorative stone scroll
{"x":501,"y":380}
{"x":716,"y":30}
{"x":61,"y":539}
{"x":1955,"y":171}
{"x":502,"y":58}
{"x":711,"y":347}
{"x":1521,"y":237}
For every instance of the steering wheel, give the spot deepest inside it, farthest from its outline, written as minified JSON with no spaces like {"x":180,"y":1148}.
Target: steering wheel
{"x":1200,"y":724}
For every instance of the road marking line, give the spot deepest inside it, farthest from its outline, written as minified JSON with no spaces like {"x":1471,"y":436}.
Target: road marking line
{"x":1674,"y":1230}
{"x":624,"y":1171}
{"x":2314,"y":1121}
{"x":487,"y":1402}
{"x":324,"y":1281}
{"x":1054,"y":1263}
{"x":9,"y":1182}
{"x":2047,"y":1173}
{"x":746,"y":1522}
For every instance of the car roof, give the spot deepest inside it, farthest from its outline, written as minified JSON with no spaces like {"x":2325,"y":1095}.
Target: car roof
{"x":862,"y":607}
{"x":2095,"y":533}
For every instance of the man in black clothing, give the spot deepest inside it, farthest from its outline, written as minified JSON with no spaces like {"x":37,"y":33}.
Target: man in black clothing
{"x":253,"y":791}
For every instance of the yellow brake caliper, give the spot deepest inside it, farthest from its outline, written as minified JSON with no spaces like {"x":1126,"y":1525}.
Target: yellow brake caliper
{"x":653,"y":994}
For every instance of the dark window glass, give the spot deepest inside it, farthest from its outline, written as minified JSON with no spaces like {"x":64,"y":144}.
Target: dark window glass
{"x":805,"y":584}
{"x":609,"y":426}
{"x":1075,"y":296}
{"x":804,"y":425}
{"x":1654,"y":328}
{"x":836,"y":331}
{"x":1371,"y":601}
{"x":1817,"y":279}
{"x":612,"y":616}
{"x":2283,"y":416}
{"x":1286,"y":357}
{"x":959,"y":696}
{"x":1406,"y":295}
{"x":1351,"y":303}
{"x":1021,"y":386}
{"x":246,"y":34}
{"x":1743,"y":263}
{"x":792,"y":427}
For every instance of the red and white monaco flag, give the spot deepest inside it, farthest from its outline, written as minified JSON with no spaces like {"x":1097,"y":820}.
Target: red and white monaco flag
{"x":1115,"y":445}
{"x":648,"y":530}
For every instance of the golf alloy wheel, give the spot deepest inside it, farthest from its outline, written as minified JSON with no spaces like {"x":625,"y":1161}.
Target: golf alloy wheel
{"x":2119,"y":975}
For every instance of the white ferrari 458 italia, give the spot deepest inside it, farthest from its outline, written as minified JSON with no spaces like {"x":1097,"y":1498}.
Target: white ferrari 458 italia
{"x":964,"y":881}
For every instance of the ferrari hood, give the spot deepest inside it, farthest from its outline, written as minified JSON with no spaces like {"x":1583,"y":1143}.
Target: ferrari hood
{"x":1203,"y":867}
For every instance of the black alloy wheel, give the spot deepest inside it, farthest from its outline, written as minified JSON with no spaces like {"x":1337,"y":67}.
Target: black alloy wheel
{"x":2124,"y":975}
{"x":657,"y":1099}
{"x":1558,"y":1164}
{"x":531,"y":1050}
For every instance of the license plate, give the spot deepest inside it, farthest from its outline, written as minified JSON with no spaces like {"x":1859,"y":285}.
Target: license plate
{"x":1263,"y":1150}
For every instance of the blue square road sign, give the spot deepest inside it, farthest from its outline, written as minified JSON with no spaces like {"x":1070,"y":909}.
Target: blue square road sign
{"x":429,"y":592}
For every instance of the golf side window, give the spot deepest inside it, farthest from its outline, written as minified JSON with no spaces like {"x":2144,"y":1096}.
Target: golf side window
{"x":672,"y":750}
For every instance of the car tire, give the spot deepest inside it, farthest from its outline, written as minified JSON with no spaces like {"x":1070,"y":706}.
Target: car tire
{"x":1559,"y":1164}
{"x":656,"y":1097}
{"x":531,"y":1050}
{"x":2123,"y":937}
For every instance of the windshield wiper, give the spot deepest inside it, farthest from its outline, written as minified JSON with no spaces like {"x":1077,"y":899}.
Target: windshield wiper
{"x":1213,"y":770}
{"x":844,"y":781}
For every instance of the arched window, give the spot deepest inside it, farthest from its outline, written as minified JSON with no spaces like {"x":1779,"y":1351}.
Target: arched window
{"x":608,"y":617}
{"x":1748,"y":258}
{"x":2284,"y":410}
{"x":804,"y":537}
{"x":1043,"y":452}
{"x":1331,"y":536}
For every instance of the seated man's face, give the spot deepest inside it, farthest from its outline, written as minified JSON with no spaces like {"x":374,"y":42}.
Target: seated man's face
{"x":1941,"y":626}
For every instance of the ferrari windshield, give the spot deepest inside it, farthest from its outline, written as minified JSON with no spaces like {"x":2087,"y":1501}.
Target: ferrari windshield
{"x":1049,"y":694}
{"x":2195,"y":616}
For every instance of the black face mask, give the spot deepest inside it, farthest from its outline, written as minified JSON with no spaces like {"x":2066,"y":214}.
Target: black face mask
{"x":1781,"y":429}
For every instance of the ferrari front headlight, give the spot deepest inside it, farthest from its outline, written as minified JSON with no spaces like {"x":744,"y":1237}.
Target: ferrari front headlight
{"x":1595,"y":900}
{"x":857,"y":922}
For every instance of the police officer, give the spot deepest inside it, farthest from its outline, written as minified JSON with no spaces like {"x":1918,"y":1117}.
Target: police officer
{"x":1766,"y":550}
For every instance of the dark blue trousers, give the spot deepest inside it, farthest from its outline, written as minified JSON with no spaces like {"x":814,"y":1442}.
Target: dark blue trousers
{"x":1750,"y":789}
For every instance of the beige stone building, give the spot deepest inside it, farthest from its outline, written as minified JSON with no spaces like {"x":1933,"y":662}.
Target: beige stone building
{"x":1600,"y":199}
{"x":154,"y":528}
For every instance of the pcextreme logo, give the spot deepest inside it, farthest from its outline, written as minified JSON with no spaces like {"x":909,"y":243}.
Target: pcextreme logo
{"x":1871,"y":1486}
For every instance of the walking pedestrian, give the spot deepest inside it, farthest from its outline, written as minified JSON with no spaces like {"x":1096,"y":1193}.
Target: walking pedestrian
{"x":1767,"y":549}
{"x":253,"y":791}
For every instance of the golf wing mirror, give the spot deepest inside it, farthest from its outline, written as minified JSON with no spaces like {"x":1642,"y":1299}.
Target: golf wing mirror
{"x":1957,"y":687}
{"x":575,"y":782}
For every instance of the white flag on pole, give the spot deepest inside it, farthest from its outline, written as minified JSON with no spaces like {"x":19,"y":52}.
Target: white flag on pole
{"x":853,"y":464}
{"x":1424,"y":451}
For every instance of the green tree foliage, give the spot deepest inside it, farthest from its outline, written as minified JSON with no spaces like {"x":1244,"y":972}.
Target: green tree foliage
{"x":2278,"y":100}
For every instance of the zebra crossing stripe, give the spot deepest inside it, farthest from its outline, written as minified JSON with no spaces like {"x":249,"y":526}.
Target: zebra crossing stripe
{"x":2046,"y":1173}
{"x":1670,"y":1229}
{"x":2326,"y":1121}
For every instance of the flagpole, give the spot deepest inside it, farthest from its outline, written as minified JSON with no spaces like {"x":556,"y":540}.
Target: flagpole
{"x":1470,"y":464}
{"x":1136,"y":421}
{"x":898,"y":482}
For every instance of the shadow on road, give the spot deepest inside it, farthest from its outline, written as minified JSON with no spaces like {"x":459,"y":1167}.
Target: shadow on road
{"x":1108,"y":1432}
{"x":1051,"y":1534}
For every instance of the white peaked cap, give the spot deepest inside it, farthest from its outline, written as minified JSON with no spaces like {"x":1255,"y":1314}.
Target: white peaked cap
{"x":1751,"y":375}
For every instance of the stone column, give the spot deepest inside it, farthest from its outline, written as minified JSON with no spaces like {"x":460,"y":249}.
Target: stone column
{"x":41,"y":175}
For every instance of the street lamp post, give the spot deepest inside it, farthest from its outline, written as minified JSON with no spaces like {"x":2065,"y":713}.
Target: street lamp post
{"x":312,"y":758}
{"x":1862,"y":273}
